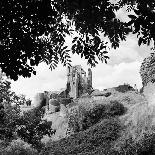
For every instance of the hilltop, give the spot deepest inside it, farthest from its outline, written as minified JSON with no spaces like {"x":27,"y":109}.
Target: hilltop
{"x":81,"y":120}
{"x":101,"y":123}
{"x":117,"y":120}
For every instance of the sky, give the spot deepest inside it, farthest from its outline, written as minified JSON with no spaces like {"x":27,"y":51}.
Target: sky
{"x":123,"y":67}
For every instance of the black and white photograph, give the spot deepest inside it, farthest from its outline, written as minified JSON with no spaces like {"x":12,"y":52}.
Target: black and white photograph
{"x":77,"y":77}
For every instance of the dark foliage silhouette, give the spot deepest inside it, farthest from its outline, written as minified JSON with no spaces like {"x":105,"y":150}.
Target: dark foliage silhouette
{"x":33,"y":31}
{"x":22,"y":23}
{"x":29,"y":126}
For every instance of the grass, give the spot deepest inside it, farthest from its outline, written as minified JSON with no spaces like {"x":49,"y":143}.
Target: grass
{"x":17,"y":147}
{"x":110,"y":127}
{"x":86,"y":114}
{"x":100,"y":136}
{"x":122,"y":124}
{"x":96,"y":127}
{"x":139,"y":134}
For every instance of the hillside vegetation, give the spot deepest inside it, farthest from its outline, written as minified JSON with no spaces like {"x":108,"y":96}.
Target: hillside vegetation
{"x":120,"y":123}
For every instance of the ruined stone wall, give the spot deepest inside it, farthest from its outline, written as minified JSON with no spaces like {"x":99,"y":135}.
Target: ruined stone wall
{"x":78,"y":81}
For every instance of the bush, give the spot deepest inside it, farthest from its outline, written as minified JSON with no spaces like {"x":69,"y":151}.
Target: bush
{"x":73,"y":119}
{"x":18,"y":147}
{"x":8,"y":122}
{"x":28,"y":126}
{"x":144,"y":146}
{"x":93,"y":116}
{"x":97,"y":138}
{"x":83,"y":116}
{"x":31,"y":128}
{"x":124,"y":88}
{"x":116,"y":108}
{"x":107,"y":94}
{"x":138,"y":136}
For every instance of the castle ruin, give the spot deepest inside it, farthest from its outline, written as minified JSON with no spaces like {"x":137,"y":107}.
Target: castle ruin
{"x":77,"y":85}
{"x":77,"y":81}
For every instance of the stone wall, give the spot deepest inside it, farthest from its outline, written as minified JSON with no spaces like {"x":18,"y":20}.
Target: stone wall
{"x":78,"y":81}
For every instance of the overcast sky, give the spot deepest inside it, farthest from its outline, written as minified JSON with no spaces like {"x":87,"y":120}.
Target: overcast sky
{"x":123,"y":67}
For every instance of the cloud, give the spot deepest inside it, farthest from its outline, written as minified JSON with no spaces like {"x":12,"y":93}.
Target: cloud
{"x":126,"y":53}
{"x":110,"y":76}
{"x":44,"y":80}
{"x":129,"y":51}
{"x":104,"y":76}
{"x":123,"y":67}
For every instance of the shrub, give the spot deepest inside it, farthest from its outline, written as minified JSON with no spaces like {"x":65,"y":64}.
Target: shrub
{"x":65,"y":101}
{"x":116,"y":108}
{"x":31,"y":128}
{"x":8,"y":122}
{"x":28,"y":126}
{"x":84,"y":116}
{"x":101,"y":111}
{"x":138,"y":136}
{"x":97,"y":138}
{"x":107,"y":94}
{"x":18,"y":147}
{"x":73,"y":119}
{"x":124,"y":88}
{"x":144,"y":146}
{"x":93,"y":116}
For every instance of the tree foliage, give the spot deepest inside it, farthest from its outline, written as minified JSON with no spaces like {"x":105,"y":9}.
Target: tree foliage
{"x":143,"y":20}
{"x":22,"y":23}
{"x":31,"y":128}
{"x":9,"y":97}
{"x":13,"y":124}
{"x":33,"y":31}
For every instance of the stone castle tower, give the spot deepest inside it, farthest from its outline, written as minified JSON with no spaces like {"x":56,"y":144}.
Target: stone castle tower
{"x":78,"y":81}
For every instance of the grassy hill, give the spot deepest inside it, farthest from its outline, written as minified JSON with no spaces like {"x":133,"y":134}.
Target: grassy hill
{"x":119,"y":124}
{"x":97,"y":139}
